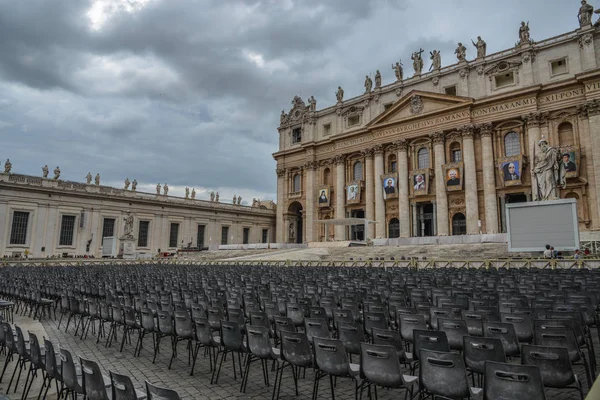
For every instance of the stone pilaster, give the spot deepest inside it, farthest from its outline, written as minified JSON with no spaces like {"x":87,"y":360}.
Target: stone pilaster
{"x":379,"y":201}
{"x":280,"y":233}
{"x":588,"y":52}
{"x":470,"y":177}
{"x":489,"y":180}
{"x":440,"y":185}
{"x":403,"y":192}
{"x":340,"y":198}
{"x":369,"y":191}
{"x":592,"y":111}
{"x":533,"y":121}
{"x":310,"y":168}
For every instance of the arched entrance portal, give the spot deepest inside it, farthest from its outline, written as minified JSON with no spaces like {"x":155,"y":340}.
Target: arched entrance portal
{"x":459,"y":224}
{"x":294,"y":225}
{"x":394,"y":228}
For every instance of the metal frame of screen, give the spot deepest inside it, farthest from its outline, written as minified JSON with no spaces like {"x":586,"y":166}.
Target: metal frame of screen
{"x":570,"y":203}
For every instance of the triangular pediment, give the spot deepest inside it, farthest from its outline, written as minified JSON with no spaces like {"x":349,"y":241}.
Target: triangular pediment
{"x":418,"y":103}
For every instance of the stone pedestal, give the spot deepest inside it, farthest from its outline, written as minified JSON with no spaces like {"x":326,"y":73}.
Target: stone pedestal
{"x":127,"y":248}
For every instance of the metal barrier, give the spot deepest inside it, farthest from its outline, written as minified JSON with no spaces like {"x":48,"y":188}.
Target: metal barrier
{"x":412,"y":263}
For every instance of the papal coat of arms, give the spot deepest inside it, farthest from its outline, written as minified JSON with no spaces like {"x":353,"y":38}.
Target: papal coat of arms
{"x":416,"y":104}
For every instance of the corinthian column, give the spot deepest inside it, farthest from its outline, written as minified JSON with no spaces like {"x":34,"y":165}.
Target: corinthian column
{"x":489,"y":181}
{"x":440,"y":186}
{"x":369,"y":192}
{"x":310,"y":168}
{"x":403,"y":203}
{"x":470,"y":177}
{"x":379,"y":202}
{"x":340,"y":203}
{"x":533,"y":131}
{"x":592,"y":111}
{"x":280,"y":233}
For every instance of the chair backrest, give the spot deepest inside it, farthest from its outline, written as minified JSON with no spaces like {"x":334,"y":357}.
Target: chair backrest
{"x":259,"y":342}
{"x":21,"y":348}
{"x":159,"y":393}
{"x":330,"y":356}
{"x":374,"y":320}
{"x":506,"y":333}
{"x":316,"y":327}
{"x":379,"y":365}
{"x":147,"y":319}
{"x":522,"y":323}
{"x":92,"y":381}
{"x":198,"y":311}
{"x":68,"y":370}
{"x":554,"y":364}
{"x":231,"y":336}
{"x":183,"y":324}
{"x":510,"y":381}
{"x":558,"y":337}
{"x":408,"y":323}
{"x":283,"y":324}
{"x":389,"y":338}
{"x":34,"y":350}
{"x":259,"y":318}
{"x":443,"y":374}
{"x":165,"y":322}
{"x":455,"y":330}
{"x":9,"y":339}
{"x":122,"y":387}
{"x":429,"y":340}
{"x":438,"y":312}
{"x":204,"y":332}
{"x":340,"y":316}
{"x":295,"y":348}
{"x":351,"y":334}
{"x":236,"y":315}
{"x":478,"y":350}
{"x":50,"y":362}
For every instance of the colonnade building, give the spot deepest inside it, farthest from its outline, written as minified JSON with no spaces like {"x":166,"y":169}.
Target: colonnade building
{"x":443,"y":152}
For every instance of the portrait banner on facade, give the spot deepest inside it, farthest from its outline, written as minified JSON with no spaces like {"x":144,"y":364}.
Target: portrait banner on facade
{"x":420,"y":182}
{"x":390,"y":186}
{"x":570,"y":161}
{"x":453,"y":176}
{"x":510,"y":170}
{"x":324,"y":196}
{"x":353,"y":192}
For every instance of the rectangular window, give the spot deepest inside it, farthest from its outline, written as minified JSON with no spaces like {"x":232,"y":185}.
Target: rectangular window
{"x":559,"y":67}
{"x":18,"y":233}
{"x":143,"y":233}
{"x":296,"y":135}
{"x":200,"y":237}
{"x":505,"y":80}
{"x":353,"y":120}
{"x":174,"y":235}
{"x":456,"y":155}
{"x":108,"y":227}
{"x":246,"y":236}
{"x":67,"y":229}
{"x":265,"y":236}
{"x":450,"y":90}
{"x":393,"y":167}
{"x":326,"y":129}
{"x":224,"y":234}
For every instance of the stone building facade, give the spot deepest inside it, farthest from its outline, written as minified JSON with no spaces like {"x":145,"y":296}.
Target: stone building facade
{"x":44,"y":217}
{"x":443,"y":152}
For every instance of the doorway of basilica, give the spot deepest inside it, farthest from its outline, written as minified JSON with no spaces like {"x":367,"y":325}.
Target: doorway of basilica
{"x":357,"y":232}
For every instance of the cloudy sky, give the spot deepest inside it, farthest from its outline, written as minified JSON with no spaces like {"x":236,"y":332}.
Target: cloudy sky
{"x":189,"y":92}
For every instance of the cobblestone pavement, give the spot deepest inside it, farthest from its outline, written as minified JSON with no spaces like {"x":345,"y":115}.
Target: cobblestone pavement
{"x":198,"y":386}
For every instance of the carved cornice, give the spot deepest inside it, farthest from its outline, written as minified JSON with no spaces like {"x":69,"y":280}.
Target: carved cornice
{"x":467,"y":131}
{"x":311,"y":165}
{"x":589,"y":109}
{"x":534,"y":119}
{"x":392,"y":147}
{"x":585,"y":40}
{"x":280,"y":172}
{"x":367,"y":153}
{"x":325,"y":162}
{"x":402,"y":145}
{"x":454,"y":135}
{"x":437,"y":137}
{"x":485,"y":130}
{"x":339,"y":159}
{"x":377,"y":150}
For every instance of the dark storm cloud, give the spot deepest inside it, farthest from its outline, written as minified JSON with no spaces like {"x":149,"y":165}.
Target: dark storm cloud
{"x":189,"y":92}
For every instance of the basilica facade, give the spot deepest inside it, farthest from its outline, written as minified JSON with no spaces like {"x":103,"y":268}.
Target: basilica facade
{"x":443,"y":152}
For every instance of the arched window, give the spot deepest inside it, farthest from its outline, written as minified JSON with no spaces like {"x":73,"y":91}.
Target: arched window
{"x":297,"y":186}
{"x":512,"y":144}
{"x":455,"y":152}
{"x":459,"y":224}
{"x":565,"y":134}
{"x":358,"y":171}
{"x":392,"y":164}
{"x":327,"y":176}
{"x":423,"y":158}
{"x":394,"y":228}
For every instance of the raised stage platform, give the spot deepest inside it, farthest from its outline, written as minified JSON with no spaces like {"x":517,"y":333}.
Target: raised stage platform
{"x":341,"y":243}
